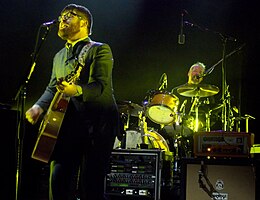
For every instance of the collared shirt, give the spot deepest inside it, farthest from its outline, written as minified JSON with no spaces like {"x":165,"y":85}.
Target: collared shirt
{"x":69,"y":45}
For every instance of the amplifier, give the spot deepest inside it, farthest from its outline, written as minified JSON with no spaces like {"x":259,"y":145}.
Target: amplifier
{"x":218,"y":179}
{"x":223,"y":144}
{"x":135,"y":173}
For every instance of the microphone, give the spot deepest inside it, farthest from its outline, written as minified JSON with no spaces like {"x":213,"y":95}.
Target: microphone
{"x":200,"y":76}
{"x":50,"y":23}
{"x":181,"y":36}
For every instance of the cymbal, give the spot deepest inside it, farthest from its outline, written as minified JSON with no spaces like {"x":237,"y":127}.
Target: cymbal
{"x":197,"y":90}
{"x":128,"y":107}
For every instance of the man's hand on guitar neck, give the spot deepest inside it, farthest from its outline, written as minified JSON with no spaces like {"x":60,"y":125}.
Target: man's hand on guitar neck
{"x":33,"y":114}
{"x":70,"y":89}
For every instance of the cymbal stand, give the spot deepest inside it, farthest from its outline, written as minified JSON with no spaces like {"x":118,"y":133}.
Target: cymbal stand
{"x":179,"y":152}
{"x":177,"y":141}
{"x":143,"y":130}
{"x":121,"y":143}
{"x":247,"y":118}
{"x":207,"y":116}
{"x":195,"y":105}
{"x":176,"y":154}
{"x":226,"y":111}
{"x":126,"y":125}
{"x":225,"y":93}
{"x":208,"y":121}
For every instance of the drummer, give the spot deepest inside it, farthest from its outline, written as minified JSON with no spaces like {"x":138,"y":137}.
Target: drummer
{"x":184,"y":127}
{"x":192,"y":100}
{"x":203,"y":98}
{"x":196,"y":73}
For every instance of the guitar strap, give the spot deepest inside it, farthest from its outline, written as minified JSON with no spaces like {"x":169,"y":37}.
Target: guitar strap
{"x":81,"y":59}
{"x":83,"y":53}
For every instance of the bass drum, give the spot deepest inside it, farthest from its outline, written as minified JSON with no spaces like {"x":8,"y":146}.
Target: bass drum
{"x":133,"y":140}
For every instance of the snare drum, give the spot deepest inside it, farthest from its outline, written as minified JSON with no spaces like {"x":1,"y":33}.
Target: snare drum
{"x":162,"y":107}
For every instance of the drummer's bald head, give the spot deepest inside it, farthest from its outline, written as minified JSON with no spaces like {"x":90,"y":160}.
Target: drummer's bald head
{"x":198,"y":64}
{"x":195,"y":73}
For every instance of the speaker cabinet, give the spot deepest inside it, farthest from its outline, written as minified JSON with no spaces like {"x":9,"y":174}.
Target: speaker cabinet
{"x":204,"y":179}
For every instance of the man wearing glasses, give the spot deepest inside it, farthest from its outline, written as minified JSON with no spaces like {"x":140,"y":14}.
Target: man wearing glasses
{"x":80,"y":158}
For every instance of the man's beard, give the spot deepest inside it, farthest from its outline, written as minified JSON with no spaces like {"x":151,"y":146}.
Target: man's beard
{"x":68,"y":32}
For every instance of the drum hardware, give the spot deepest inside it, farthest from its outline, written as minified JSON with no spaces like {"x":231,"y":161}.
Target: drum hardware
{"x":181,"y":149}
{"x":151,"y":139}
{"x":143,"y":129}
{"x":130,"y":108}
{"x":196,"y":91}
{"x":125,"y":117}
{"x":207,"y":121}
{"x":213,"y":116}
{"x":229,"y":120}
{"x":246,"y":117}
{"x":163,"y":82}
{"x":176,"y":156}
{"x":183,"y":106}
{"x":195,"y":107}
{"x":202,"y":120}
{"x":175,"y":135}
{"x":216,"y":108}
{"x":143,"y":137}
{"x":126,"y":110}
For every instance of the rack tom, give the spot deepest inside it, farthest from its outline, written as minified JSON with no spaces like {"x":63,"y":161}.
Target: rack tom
{"x":162,"y":107}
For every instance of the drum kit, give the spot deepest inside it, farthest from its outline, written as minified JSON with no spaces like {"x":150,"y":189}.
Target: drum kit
{"x":162,"y":108}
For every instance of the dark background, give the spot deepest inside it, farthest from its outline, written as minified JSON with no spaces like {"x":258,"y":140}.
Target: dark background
{"x":143,"y":37}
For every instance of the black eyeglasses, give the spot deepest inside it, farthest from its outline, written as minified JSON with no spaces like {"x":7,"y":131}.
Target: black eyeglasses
{"x":68,"y":15}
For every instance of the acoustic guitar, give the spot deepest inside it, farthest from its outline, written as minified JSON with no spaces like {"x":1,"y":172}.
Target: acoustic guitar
{"x":52,"y":121}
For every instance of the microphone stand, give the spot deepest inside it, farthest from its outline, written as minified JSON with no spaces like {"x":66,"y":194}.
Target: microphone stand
{"x":226,"y":107}
{"x":225,"y":97}
{"x":20,"y":98}
{"x":207,"y":72}
{"x":226,"y":110}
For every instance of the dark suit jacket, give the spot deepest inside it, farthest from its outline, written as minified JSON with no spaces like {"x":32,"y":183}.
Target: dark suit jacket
{"x":97,"y":104}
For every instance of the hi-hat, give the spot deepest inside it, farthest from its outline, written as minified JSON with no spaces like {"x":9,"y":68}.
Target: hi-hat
{"x":127,"y":107}
{"x":197,"y":90}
